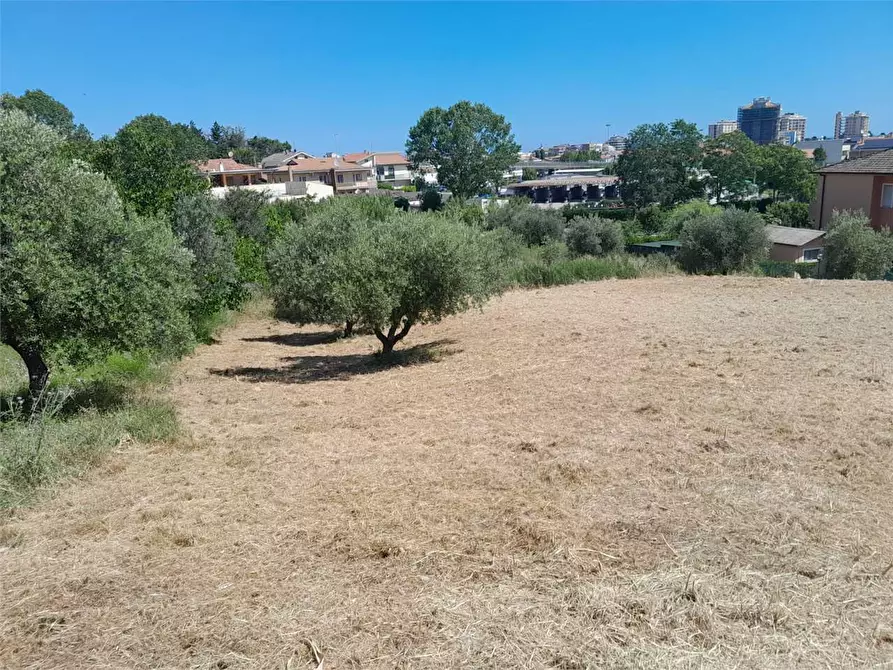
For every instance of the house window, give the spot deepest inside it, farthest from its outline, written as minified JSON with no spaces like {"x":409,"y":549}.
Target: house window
{"x":812,"y":254}
{"x":887,"y":196}
{"x":340,"y":178}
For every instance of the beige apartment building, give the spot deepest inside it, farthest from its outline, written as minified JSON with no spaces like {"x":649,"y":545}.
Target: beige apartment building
{"x":865,"y":185}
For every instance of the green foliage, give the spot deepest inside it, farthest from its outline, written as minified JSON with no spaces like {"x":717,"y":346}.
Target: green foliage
{"x":535,"y":274}
{"x":592,"y":236}
{"x":651,"y":219}
{"x":674,"y":220}
{"x":42,"y":108}
{"x":855,"y":250}
{"x":247,"y":212}
{"x":279,"y":213}
{"x":786,"y":171}
{"x":657,"y":166}
{"x":471,"y":214}
{"x":580,"y":156}
{"x":249,"y":256}
{"x":469,"y":144}
{"x":384,"y":186}
{"x":80,"y":276}
{"x":401,"y":203}
{"x":197,"y":222}
{"x":409,"y":188}
{"x":730,"y":240}
{"x":528,"y":174}
{"x":819,"y":156}
{"x":789,"y":269}
{"x":732,"y":160}
{"x":793,"y":214}
{"x":535,"y":226}
{"x":431,"y":201}
{"x":150,"y":162}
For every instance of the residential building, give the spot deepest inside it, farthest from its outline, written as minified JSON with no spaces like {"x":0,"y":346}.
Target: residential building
{"x":283,"y":158}
{"x":796,"y":245}
{"x":838,"y":126}
{"x":222,"y":172}
{"x":871,"y":145}
{"x":864,"y":184}
{"x":856,"y":125}
{"x":835,"y":150}
{"x":791,"y":127}
{"x":759,"y":120}
{"x":343,"y":176}
{"x":388,"y":167}
{"x":618,"y":142}
{"x":290,"y":190}
{"x":714,"y":130}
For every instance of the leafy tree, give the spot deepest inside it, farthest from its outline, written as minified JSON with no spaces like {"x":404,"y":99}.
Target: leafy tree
{"x":786,"y":171}
{"x":674,"y":220}
{"x":730,"y":240}
{"x":533,"y":225}
{"x":528,"y":174}
{"x":855,"y":250}
{"x":658,"y":163}
{"x":265,"y":146}
{"x":420,"y":268}
{"x":43,"y":108}
{"x":81,"y":277}
{"x":431,"y":201}
{"x":580,"y":156}
{"x":592,"y":236}
{"x":820,"y":155}
{"x":150,"y":161}
{"x":198,"y":221}
{"x":731,"y":159}
{"x":469,"y":144}
{"x":247,"y":212}
{"x":793,"y":214}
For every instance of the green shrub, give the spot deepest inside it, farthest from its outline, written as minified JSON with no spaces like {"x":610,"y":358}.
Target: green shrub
{"x":409,"y":188}
{"x":431,"y":201}
{"x":789,"y":269}
{"x":728,"y":241}
{"x":620,"y":266}
{"x":534,"y":225}
{"x":384,"y":186}
{"x":280,"y":213}
{"x":471,"y":214}
{"x":592,"y":236}
{"x":652,"y":218}
{"x":854,"y":250}
{"x":675,"y":219}
{"x":247,"y":212}
{"x":402,"y":203}
{"x":793,"y":214}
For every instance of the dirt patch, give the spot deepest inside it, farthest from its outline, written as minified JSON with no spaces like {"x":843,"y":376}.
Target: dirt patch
{"x":644,"y":473}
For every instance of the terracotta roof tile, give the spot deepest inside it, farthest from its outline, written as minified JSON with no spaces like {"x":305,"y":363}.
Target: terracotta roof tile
{"x":218,"y":165}
{"x":879,"y":163}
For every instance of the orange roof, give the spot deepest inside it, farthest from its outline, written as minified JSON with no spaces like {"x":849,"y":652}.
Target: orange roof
{"x":381,"y":157}
{"x":219,"y":165}
{"x":353,"y":158}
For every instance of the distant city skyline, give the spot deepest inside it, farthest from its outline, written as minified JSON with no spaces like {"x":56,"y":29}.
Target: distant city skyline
{"x":359,"y":89}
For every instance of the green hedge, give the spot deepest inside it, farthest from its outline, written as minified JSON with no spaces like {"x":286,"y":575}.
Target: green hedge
{"x":788,"y":268}
{"x":533,"y":274}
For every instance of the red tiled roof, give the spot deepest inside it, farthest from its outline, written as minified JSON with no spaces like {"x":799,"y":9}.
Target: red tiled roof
{"x":321,"y":165}
{"x":219,"y":165}
{"x":381,"y":157}
{"x":353,"y":158}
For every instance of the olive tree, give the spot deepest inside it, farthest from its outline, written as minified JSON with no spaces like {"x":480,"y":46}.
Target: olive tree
{"x":731,"y":240}
{"x":590,"y":235}
{"x":80,"y":276}
{"x":533,"y":225}
{"x":855,"y":250}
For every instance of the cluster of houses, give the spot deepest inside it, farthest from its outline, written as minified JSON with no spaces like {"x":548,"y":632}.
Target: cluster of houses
{"x":299,"y":174}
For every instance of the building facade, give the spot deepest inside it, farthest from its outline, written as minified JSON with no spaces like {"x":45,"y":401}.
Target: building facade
{"x":856,"y":125}
{"x":388,"y":167}
{"x":838,"y":126}
{"x":864,"y":184}
{"x":759,"y":120}
{"x":791,"y":128}
{"x":714,"y":130}
{"x":618,"y":142}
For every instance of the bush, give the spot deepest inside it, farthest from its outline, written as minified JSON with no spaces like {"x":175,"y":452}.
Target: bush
{"x":718,"y":243}
{"x":431,"y":201}
{"x":402,"y":203}
{"x":247,"y":212}
{"x":592,"y":236}
{"x":384,"y":186}
{"x":534,"y":274}
{"x":854,"y":250}
{"x":651,"y":219}
{"x":789,"y":269}
{"x":279,"y":213}
{"x":793,"y":214}
{"x":534,"y":225}
{"x":675,"y":219}
{"x":197,"y":222}
{"x":471,"y":214}
{"x":410,"y":188}
{"x":80,"y":276}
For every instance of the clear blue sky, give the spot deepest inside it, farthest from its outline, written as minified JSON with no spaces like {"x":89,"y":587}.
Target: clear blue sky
{"x":558,"y":72}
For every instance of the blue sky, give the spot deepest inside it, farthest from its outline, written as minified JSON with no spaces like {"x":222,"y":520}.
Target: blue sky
{"x":347,"y":77}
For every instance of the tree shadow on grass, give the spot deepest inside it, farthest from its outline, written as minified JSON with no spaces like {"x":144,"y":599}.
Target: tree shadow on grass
{"x":299,"y":339}
{"x":309,"y":369}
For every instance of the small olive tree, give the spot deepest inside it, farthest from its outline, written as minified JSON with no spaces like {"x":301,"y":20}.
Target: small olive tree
{"x":718,"y":243}
{"x":534,"y":225}
{"x":592,"y":236}
{"x":80,"y":277}
{"x":419,"y":268}
{"x":855,"y":250}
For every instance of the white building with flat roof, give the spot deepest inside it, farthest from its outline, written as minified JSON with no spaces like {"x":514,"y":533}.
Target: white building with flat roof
{"x":714,"y":130}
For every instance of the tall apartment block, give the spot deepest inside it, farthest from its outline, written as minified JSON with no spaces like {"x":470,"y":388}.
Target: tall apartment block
{"x":759,"y":120}
{"x":791,"y":128}
{"x":714,"y":130}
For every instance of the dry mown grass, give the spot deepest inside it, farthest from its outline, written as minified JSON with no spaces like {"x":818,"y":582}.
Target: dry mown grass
{"x":684,"y":472}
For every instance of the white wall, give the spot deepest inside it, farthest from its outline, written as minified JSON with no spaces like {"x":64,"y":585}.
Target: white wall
{"x":283,"y":191}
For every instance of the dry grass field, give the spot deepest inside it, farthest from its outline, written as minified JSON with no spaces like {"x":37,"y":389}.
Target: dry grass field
{"x":679,"y":472}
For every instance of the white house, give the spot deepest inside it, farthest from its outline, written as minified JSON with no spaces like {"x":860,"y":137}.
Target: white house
{"x":388,"y":167}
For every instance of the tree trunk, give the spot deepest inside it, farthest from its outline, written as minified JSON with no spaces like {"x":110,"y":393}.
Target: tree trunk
{"x":348,"y":328}
{"x":392,"y":337}
{"x":38,"y":372}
